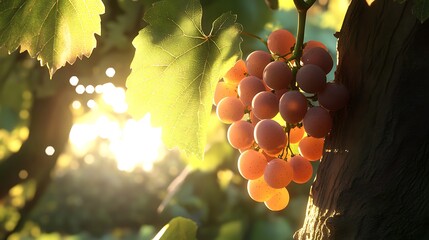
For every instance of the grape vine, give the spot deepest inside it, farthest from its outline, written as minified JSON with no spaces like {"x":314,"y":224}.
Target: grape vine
{"x":276,"y":100}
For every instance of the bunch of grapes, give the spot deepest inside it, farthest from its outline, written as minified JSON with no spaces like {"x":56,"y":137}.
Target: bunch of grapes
{"x":274,"y":100}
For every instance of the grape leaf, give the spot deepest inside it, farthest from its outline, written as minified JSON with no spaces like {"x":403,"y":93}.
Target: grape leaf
{"x":421,"y":9}
{"x":178,"y":228}
{"x":54,"y":31}
{"x":175,"y":70}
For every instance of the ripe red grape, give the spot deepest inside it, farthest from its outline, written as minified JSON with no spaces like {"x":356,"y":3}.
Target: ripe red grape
{"x":240,"y":134}
{"x":333,"y":97}
{"x":236,"y":73}
{"x":229,"y":110}
{"x":279,"y":93}
{"x":311,"y":78}
{"x":302,"y":169}
{"x":259,"y":190}
{"x":312,"y":44}
{"x":256,"y":62}
{"x":278,"y":173}
{"x":270,"y":136}
{"x":248,"y":88}
{"x":251,"y":164}
{"x":311,"y":148}
{"x":279,"y":200}
{"x":320,"y":57}
{"x":265,"y":105}
{"x":293,"y":106}
{"x":223,"y":90}
{"x":274,"y":153}
{"x":277,"y":75}
{"x":281,"y":42}
{"x":296,"y":134}
{"x":317,"y":122}
{"x":268,"y":157}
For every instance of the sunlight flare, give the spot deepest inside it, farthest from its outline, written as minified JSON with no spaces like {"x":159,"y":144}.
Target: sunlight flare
{"x":133,"y":143}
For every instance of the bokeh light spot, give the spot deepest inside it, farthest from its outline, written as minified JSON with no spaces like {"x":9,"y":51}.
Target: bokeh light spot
{"x":80,"y":89}
{"x":110,"y":72}
{"x":90,"y":89}
{"x":23,"y":174}
{"x":74,"y":81}
{"x":50,"y":150}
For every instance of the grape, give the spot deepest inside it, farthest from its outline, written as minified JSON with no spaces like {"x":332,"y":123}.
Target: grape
{"x":268,"y":89}
{"x":270,"y":136}
{"x":253,"y":119}
{"x":277,"y":75}
{"x":312,"y":44}
{"x":223,"y":90}
{"x":311,"y":148}
{"x":265,"y":105}
{"x":251,"y":164}
{"x":240,"y":134}
{"x":320,"y":57}
{"x":302,"y":169}
{"x":279,"y":200}
{"x":333,"y":97}
{"x":274,"y":153}
{"x":317,"y":122}
{"x":256,"y":62}
{"x":259,"y":190}
{"x":268,"y":157}
{"x":311,"y":78}
{"x":262,"y":88}
{"x":229,"y":110}
{"x":236,"y":73}
{"x":293,"y":106}
{"x":248,"y":88}
{"x":278,"y":173}
{"x":296,"y":134}
{"x":281,"y":42}
{"x":279,"y":93}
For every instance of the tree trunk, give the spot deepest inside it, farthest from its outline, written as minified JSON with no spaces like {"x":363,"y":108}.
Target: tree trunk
{"x":50,"y":125}
{"x":373,"y":180}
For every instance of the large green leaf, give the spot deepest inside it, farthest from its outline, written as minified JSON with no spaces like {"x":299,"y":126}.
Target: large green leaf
{"x":54,"y":31}
{"x":178,"y":228}
{"x":175,"y":70}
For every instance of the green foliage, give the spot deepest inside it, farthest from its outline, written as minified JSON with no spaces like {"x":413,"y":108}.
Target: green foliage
{"x":230,"y":231}
{"x":246,"y":11}
{"x":275,"y":229}
{"x":176,"y":68}
{"x":178,"y":228}
{"x":217,"y":150}
{"x":54,"y":31}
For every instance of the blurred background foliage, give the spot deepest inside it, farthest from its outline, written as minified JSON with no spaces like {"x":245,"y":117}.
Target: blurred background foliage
{"x":112,"y":178}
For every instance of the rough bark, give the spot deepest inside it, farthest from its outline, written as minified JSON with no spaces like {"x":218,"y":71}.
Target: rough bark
{"x":373,"y":180}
